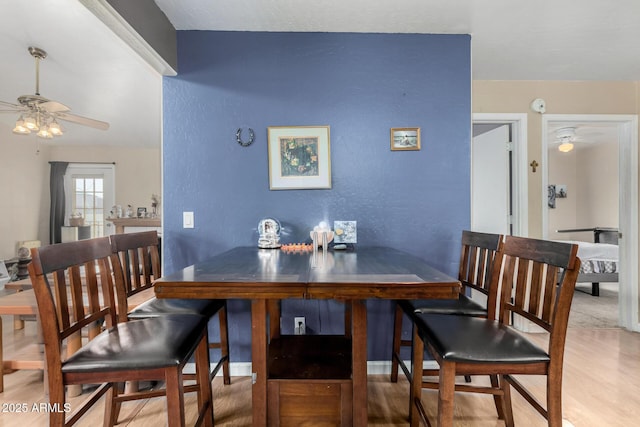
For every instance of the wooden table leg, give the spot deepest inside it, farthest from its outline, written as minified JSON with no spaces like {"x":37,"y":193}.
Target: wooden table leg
{"x":273,"y":307}
{"x":347,"y":319}
{"x":359,"y":355}
{"x":18,"y":322}
{"x":259,"y":350}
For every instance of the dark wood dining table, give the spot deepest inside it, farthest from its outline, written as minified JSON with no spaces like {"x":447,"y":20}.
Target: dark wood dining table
{"x":267,"y":275}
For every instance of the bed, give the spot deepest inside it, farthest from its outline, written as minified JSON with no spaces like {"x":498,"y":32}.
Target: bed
{"x":599,"y":258}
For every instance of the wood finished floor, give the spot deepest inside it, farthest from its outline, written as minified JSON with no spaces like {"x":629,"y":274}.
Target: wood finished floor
{"x":601,"y":388}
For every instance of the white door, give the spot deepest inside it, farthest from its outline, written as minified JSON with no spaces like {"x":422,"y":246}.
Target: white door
{"x":490,"y":181}
{"x":90,"y":190}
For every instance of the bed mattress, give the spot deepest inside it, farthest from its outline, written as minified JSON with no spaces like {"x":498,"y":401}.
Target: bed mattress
{"x":594,"y":266}
{"x":597,"y":257}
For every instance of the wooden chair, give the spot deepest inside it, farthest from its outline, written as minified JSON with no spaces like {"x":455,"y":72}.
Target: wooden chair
{"x":464,"y":345}
{"x":475,"y":271}
{"x":80,"y":302}
{"x":139,"y":267}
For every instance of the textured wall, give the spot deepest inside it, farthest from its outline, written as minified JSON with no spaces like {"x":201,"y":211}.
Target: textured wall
{"x":360,"y":85}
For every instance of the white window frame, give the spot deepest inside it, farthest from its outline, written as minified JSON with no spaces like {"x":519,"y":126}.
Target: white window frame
{"x":107,"y":170}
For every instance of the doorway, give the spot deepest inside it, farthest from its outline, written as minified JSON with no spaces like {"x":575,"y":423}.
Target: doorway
{"x":499,"y":174}
{"x":491,"y":177}
{"x":625,"y":130}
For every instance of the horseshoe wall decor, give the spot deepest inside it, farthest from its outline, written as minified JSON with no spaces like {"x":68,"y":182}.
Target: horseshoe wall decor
{"x":252,"y":137}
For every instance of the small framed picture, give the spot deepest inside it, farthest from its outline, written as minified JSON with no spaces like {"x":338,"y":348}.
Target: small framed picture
{"x":142,"y":212}
{"x":404,"y":139}
{"x":299,"y":157}
{"x":561,"y":191}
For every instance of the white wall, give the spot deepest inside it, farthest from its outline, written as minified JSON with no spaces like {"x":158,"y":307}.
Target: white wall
{"x":562,"y":97}
{"x":24,"y":194}
{"x":599,"y":199}
{"x":591,"y":176}
{"x":24,"y":184}
{"x":562,"y":171}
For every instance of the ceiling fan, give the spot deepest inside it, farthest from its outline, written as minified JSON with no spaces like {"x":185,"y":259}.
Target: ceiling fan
{"x":566,"y":137}
{"x":39,"y":114}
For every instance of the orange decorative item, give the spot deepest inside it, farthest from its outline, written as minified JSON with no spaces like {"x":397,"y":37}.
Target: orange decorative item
{"x":297,"y":247}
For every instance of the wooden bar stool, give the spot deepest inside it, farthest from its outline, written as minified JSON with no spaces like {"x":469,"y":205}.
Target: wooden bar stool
{"x":465,"y":345}
{"x":81,"y":298}
{"x":139,"y":266}
{"x":475,"y":270}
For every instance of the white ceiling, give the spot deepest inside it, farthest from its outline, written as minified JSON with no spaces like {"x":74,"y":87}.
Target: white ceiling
{"x":98,"y":76}
{"x":87,"y":69}
{"x":512,"y":40}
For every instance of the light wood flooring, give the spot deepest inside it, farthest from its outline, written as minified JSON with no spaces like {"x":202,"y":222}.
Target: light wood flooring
{"x":601,"y":388}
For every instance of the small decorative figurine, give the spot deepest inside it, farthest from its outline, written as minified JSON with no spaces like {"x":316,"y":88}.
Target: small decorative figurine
{"x":321,"y":235}
{"x":269,"y":229}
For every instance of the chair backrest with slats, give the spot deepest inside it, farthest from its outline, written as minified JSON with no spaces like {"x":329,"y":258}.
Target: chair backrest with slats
{"x":477,"y":259}
{"x":530,"y":285}
{"x":140,"y":259}
{"x":139,"y":264}
{"x":81,"y":295}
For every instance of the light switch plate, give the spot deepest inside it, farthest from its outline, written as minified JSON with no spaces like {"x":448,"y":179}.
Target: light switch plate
{"x":187,"y":219}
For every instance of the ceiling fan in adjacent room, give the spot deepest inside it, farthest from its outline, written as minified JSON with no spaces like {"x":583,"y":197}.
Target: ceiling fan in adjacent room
{"x":566,"y":137}
{"x":39,"y":114}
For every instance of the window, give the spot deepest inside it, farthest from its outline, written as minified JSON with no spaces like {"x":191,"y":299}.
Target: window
{"x":89,"y":190}
{"x":88,"y":200}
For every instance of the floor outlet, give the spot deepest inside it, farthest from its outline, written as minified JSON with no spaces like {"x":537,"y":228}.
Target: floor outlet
{"x":299,"y":326}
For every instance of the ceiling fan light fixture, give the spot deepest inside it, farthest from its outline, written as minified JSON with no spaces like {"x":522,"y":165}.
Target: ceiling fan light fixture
{"x":31,"y":124}
{"x":38,"y":114}
{"x":565,"y":147}
{"x":566,"y":136}
{"x":20,"y":128}
{"x":44,"y":133}
{"x":55,"y":128}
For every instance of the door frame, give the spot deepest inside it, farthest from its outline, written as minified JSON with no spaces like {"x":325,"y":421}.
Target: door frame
{"x":628,"y":204}
{"x":518,"y":122}
{"x":108,"y":172}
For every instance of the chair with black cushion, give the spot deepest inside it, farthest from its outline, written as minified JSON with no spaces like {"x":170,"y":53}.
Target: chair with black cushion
{"x":474,"y":272}
{"x":84,"y":343}
{"x":140,"y":266}
{"x":465,"y":345}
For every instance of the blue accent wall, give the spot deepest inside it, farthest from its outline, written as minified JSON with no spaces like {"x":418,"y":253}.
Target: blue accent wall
{"x":360,"y":85}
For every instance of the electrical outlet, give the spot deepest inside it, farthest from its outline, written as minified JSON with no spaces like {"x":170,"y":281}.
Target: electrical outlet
{"x":299,"y":326}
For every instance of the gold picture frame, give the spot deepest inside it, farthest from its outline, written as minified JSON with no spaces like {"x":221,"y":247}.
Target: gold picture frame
{"x":405,"y":139}
{"x":299,"y":157}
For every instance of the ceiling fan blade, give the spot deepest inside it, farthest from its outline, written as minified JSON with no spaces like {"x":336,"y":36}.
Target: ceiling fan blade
{"x":15,"y":107}
{"x":54,"y":107}
{"x":82,"y":120}
{"x":12,"y":110}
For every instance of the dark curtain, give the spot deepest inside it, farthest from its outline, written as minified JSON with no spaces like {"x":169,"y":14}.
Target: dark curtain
{"x":56,"y":213}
